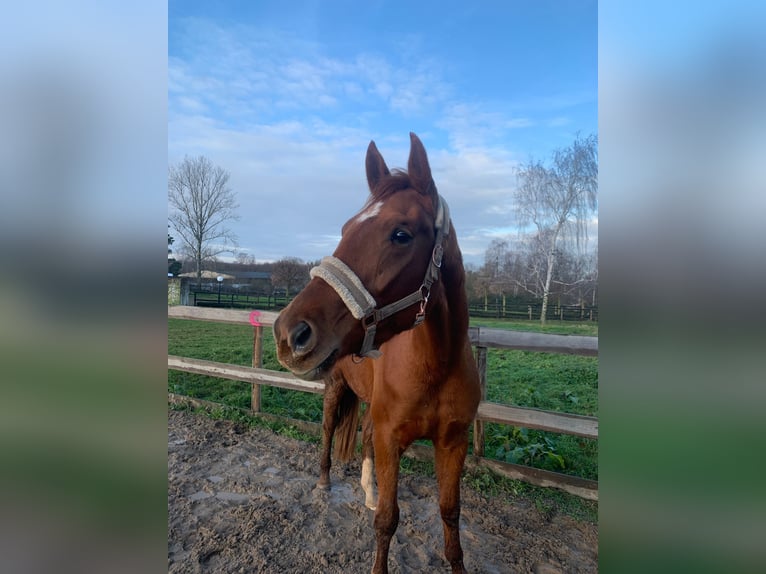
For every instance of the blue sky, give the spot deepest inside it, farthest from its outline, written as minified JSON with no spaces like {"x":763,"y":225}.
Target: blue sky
{"x":286,"y":96}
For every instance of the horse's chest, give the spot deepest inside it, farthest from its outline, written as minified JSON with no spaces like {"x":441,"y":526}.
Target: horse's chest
{"x":418,"y":416}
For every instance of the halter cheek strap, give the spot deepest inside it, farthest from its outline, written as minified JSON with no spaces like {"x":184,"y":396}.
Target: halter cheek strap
{"x":362,"y":304}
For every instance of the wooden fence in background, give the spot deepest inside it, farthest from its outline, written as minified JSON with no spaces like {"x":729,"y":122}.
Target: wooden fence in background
{"x":482,"y":338}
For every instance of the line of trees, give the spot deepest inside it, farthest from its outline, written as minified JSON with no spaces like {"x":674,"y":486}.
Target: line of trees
{"x":291,"y":274}
{"x":514,"y":273}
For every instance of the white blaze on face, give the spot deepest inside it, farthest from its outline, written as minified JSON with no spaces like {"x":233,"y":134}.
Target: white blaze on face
{"x":369,"y":213}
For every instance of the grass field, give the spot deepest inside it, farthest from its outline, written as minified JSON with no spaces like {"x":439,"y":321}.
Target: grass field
{"x":564,"y":383}
{"x":555,"y":327}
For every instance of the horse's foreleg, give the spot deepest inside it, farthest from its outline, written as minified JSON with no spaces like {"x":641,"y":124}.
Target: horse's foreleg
{"x":332,"y":395}
{"x":449,"y":461}
{"x":368,"y":466}
{"x":387,"y":513}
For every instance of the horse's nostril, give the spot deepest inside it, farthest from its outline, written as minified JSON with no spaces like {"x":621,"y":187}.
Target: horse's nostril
{"x":300,"y":337}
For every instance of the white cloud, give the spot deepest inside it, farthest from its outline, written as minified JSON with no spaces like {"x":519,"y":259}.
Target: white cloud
{"x":191,"y":105}
{"x":246,"y":73}
{"x":292,"y":125}
{"x":297,"y":183}
{"x":472,"y":124}
{"x":558,"y":122}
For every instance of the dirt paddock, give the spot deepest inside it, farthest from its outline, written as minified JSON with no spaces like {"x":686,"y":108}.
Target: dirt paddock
{"x":243,"y":500}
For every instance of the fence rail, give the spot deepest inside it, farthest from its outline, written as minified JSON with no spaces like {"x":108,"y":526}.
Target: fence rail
{"x":481,"y":337}
{"x":528,"y":341}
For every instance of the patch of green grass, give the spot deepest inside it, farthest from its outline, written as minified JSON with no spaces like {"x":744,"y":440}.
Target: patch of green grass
{"x":233,"y":344}
{"x":293,"y":404}
{"x":418,"y":467}
{"x":220,"y":342}
{"x":554,"y":382}
{"x":587,"y":328}
{"x":562,"y":453}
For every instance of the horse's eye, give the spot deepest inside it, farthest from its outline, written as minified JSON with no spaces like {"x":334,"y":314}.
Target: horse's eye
{"x":401,"y":237}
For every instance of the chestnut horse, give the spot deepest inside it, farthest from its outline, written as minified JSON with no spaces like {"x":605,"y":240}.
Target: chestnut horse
{"x":386,"y":317}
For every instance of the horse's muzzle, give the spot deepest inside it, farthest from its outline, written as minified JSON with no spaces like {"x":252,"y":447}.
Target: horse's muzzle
{"x":299,"y":349}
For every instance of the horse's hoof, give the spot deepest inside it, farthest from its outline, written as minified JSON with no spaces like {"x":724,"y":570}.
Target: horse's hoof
{"x":323,"y":486}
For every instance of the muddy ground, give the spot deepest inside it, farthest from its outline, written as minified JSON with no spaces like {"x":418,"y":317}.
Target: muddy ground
{"x":243,"y":500}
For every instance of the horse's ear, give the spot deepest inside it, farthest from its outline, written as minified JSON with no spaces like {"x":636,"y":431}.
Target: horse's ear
{"x":376,"y":166}
{"x":417,"y":166}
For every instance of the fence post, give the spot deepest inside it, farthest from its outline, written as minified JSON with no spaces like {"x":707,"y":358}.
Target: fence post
{"x":255,"y":397}
{"x":478,"y":426}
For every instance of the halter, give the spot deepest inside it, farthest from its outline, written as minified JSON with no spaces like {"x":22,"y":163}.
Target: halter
{"x":362,"y":304}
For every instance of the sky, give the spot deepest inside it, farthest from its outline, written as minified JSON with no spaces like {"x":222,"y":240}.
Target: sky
{"x":286,"y":96}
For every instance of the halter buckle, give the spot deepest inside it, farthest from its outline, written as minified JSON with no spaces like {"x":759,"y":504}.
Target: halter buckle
{"x":425,"y":293}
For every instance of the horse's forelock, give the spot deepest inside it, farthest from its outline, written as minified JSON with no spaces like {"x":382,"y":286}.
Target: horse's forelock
{"x":387,"y":186}
{"x":400,"y":180}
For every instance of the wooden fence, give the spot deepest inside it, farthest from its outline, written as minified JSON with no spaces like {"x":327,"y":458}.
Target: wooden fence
{"x":481,"y":337}
{"x":529,"y":311}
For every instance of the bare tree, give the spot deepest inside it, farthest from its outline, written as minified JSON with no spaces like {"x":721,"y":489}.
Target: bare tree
{"x":480,"y":287}
{"x":494,"y":259}
{"x":576,"y":273}
{"x":558,"y":200}
{"x":498,"y":269}
{"x":533,"y":264}
{"x":291,"y":273}
{"x":202,"y":204}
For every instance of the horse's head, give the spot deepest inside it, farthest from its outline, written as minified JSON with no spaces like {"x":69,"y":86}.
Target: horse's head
{"x":378,"y":281}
